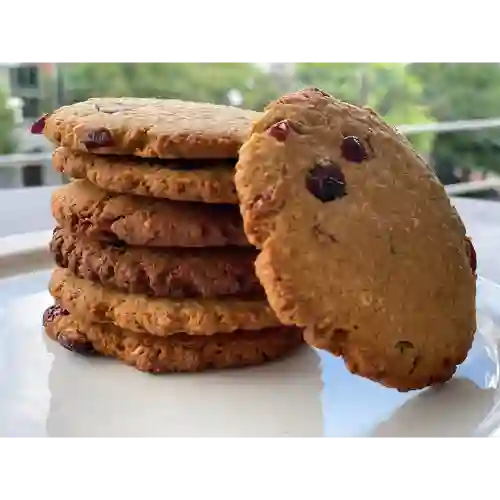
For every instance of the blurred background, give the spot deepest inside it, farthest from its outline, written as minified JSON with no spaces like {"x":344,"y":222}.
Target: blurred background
{"x":449,"y":111}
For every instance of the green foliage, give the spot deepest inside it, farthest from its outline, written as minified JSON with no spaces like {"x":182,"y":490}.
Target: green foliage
{"x":196,"y":82}
{"x":459,"y":91}
{"x":7,"y":143}
{"x":387,"y":88}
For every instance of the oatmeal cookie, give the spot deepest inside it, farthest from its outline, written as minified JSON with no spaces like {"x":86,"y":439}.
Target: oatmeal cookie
{"x":83,"y":208}
{"x":150,"y":128}
{"x":181,"y":180}
{"x":177,"y":273}
{"x":358,"y":240}
{"x":177,"y":353}
{"x":158,"y":316}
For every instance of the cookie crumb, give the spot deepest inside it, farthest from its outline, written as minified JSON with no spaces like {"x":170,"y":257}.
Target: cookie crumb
{"x":323,"y":235}
{"x":404,"y":345}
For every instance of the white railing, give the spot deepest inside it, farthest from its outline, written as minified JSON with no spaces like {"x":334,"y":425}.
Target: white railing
{"x":459,"y":126}
{"x":455,"y":126}
{"x":16,"y":162}
{"x":13,"y":170}
{"x":24,"y":159}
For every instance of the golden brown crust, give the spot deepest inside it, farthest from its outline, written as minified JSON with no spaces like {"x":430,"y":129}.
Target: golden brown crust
{"x":83,"y":208}
{"x":178,"y":353}
{"x":158,"y":316}
{"x":380,"y":273}
{"x":177,"y":273}
{"x":153,"y":128}
{"x":207,"y":181}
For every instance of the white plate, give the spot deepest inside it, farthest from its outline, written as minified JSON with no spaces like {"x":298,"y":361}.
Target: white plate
{"x":48,"y":391}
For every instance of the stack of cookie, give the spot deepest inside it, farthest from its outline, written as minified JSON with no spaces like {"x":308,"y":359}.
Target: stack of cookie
{"x":153,"y":265}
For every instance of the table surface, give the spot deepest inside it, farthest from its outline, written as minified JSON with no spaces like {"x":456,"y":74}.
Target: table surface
{"x":46,"y":391}
{"x":28,"y":209}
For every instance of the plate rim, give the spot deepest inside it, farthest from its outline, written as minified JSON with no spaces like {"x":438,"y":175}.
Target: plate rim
{"x":24,"y":252}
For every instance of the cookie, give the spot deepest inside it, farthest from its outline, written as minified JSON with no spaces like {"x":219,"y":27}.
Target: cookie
{"x":177,"y":353}
{"x":359,"y":242}
{"x":151,"y":128}
{"x":182,"y":180}
{"x":177,"y":273}
{"x":83,"y":208}
{"x":158,"y":316}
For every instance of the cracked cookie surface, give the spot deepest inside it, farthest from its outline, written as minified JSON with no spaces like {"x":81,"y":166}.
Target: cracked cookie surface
{"x":158,"y":316}
{"x":83,"y":208}
{"x":359,"y":242}
{"x":177,"y":273}
{"x":188,"y":180}
{"x":151,"y":128}
{"x":177,"y":353}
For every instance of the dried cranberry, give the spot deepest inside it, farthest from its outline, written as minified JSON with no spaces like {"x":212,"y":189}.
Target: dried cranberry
{"x":472,"y":255}
{"x":39,"y":125}
{"x":326,"y":181}
{"x":75,"y":343}
{"x":98,"y":138}
{"x":353,"y":150}
{"x":53,"y":312}
{"x":280,"y":130}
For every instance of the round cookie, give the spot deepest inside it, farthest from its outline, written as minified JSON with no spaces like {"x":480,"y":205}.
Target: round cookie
{"x":83,"y":208}
{"x":177,"y":273}
{"x":158,"y":316}
{"x":187,"y":180}
{"x":151,"y":128}
{"x":178,"y":353}
{"x":359,"y":242}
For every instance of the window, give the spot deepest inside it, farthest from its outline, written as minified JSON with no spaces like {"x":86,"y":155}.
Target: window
{"x":31,"y":107}
{"x":32,"y":176}
{"x":26,"y":76}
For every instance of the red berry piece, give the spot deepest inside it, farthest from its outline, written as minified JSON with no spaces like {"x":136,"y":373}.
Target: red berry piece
{"x":280,"y":130}
{"x":98,"y":138}
{"x":326,"y":182}
{"x":76,"y":343}
{"x":39,"y":125}
{"x":53,"y":312}
{"x":472,"y":255}
{"x":353,"y":150}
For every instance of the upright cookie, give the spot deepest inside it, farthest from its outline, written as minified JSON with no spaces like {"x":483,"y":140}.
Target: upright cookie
{"x":182,"y":180}
{"x":83,"y":208}
{"x":359,"y":242}
{"x":151,"y":128}
{"x":177,"y":353}
{"x":177,"y":273}
{"x":158,"y":316}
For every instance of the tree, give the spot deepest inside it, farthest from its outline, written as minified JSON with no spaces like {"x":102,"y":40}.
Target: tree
{"x":459,"y":91}
{"x":210,"y":82}
{"x":390,"y":89}
{"x":7,"y":142}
